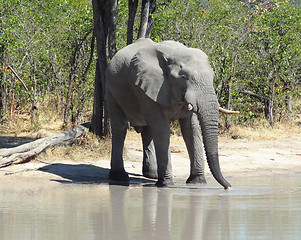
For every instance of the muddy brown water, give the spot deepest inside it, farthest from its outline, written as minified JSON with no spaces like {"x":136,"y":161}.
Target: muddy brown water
{"x":266,"y":207}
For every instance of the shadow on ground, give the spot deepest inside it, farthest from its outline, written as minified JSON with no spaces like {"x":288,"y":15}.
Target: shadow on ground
{"x":10,"y":141}
{"x":86,"y":173}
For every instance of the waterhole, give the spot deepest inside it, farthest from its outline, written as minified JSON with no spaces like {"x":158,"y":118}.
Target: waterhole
{"x":266,"y":207}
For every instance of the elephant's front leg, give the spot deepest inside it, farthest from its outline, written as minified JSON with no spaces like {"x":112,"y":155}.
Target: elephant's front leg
{"x":193,"y":139}
{"x":161,"y":136}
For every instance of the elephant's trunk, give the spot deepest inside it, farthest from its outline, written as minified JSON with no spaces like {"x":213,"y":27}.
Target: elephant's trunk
{"x":208,"y":117}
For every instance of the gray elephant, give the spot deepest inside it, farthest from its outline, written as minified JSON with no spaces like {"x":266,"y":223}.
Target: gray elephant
{"x":149,"y":84}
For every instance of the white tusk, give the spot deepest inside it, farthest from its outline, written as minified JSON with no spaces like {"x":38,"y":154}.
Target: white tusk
{"x":227,"y":112}
{"x":189,"y":107}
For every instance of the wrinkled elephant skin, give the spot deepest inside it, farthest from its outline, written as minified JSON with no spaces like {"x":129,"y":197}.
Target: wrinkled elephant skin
{"x":149,"y":84}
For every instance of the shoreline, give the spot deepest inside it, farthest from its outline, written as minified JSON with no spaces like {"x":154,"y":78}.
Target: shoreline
{"x":238,"y":158}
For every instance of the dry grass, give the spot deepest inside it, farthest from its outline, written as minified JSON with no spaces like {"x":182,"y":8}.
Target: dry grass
{"x":261,"y":131}
{"x":21,"y":125}
{"x":91,"y":147}
{"x":85,"y":148}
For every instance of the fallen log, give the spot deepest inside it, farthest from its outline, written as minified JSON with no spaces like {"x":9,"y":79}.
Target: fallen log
{"x":27,"y":151}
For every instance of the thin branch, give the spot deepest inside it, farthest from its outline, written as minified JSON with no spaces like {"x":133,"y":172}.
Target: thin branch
{"x":252,"y":94}
{"x":16,"y":75}
{"x":78,"y":46}
{"x":22,"y":61}
{"x":91,"y":55}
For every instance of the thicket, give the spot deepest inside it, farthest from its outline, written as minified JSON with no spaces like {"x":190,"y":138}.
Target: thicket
{"x":254,"y":48}
{"x":46,"y":51}
{"x":46,"y":54}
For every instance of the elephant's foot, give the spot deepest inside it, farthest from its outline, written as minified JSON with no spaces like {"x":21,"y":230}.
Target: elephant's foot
{"x":119,"y":175}
{"x":150,"y":173}
{"x":164,"y":182}
{"x":196,"y":179}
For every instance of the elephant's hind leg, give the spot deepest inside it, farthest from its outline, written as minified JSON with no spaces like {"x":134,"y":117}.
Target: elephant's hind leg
{"x":149,"y":167}
{"x":193,"y":139}
{"x":157,"y":120}
{"x":119,"y":130}
{"x":160,"y":130}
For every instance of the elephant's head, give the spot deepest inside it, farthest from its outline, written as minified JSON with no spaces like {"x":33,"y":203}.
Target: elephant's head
{"x":170,"y":71}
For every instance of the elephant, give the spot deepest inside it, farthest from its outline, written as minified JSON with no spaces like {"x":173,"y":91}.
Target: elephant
{"x":150,"y":84}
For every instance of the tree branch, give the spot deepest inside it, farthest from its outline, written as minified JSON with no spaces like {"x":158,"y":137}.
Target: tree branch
{"x":16,"y":75}
{"x":91,"y":55}
{"x":252,"y":94}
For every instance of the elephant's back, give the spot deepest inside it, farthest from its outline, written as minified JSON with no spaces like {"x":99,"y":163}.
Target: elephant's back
{"x":123,"y":57}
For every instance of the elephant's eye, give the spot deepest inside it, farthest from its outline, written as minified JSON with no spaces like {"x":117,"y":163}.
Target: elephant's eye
{"x":183,"y":75}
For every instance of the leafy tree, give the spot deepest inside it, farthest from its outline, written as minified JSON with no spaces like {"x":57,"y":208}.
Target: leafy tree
{"x":271,"y":56}
{"x":47,"y":44}
{"x":46,"y":51}
{"x":253,"y":46}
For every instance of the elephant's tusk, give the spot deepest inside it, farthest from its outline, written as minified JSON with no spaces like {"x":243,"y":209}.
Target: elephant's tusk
{"x":227,"y":112}
{"x":189,"y":107}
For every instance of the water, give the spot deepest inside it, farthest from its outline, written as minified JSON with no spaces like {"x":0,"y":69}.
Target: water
{"x":255,"y":208}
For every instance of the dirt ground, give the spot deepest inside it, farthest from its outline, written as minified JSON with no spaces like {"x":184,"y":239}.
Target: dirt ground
{"x":280,"y":154}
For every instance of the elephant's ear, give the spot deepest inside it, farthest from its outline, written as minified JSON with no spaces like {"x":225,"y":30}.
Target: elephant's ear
{"x":148,"y":71}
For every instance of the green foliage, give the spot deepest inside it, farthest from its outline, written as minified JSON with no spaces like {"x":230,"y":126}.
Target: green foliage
{"x":122,"y":18}
{"x":47,"y":45}
{"x":253,"y":46}
{"x":270,"y":57}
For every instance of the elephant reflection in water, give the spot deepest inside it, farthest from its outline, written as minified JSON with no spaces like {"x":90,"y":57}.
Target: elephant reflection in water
{"x":163,"y":214}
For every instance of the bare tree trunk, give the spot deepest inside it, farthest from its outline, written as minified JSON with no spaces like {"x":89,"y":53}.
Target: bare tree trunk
{"x":112,"y":29}
{"x":1,"y":100}
{"x":152,"y":9}
{"x":2,"y":80}
{"x":1,"y":94}
{"x":100,"y":33}
{"x":4,"y":91}
{"x":270,"y":102}
{"x":146,"y":23}
{"x":132,"y":5}
{"x":12,"y":106}
{"x":105,"y":15}
{"x":98,"y":105}
{"x":268,"y":111}
{"x":34,"y":109}
{"x":68,"y":99}
{"x":289,"y":107}
{"x":227,"y":121}
{"x":144,"y":18}
{"x":229,"y":90}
